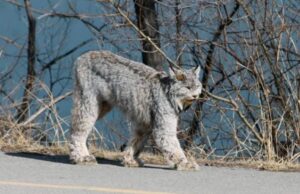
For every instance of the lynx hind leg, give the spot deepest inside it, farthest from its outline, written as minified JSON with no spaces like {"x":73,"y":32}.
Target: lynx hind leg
{"x":191,"y":164}
{"x":84,"y":115}
{"x":134,"y":148}
{"x":167,"y":141}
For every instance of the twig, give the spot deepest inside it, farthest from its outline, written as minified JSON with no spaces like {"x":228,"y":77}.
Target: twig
{"x":172,"y":63}
{"x":34,"y":116}
{"x":229,"y":101}
{"x":56,"y":59}
{"x":236,"y":109}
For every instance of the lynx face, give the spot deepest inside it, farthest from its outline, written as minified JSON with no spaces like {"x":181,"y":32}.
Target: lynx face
{"x":187,"y":87}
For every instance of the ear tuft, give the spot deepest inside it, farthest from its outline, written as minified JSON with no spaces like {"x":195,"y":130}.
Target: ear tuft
{"x":197,"y":70}
{"x":177,"y":74}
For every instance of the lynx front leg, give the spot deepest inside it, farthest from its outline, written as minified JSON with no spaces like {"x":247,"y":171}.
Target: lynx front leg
{"x":166,"y":139}
{"x":84,"y":116}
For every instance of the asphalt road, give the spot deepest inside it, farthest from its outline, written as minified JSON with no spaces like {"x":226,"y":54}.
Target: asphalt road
{"x":37,"y":174}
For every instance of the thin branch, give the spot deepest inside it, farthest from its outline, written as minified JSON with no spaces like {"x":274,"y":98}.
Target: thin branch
{"x":41,"y":110}
{"x":56,"y":59}
{"x":124,"y":15}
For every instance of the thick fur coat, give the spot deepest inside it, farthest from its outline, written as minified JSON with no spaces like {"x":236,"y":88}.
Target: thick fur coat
{"x":152,"y":100}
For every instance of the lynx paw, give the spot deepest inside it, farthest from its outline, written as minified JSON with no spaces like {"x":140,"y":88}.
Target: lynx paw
{"x":133,"y":163}
{"x":85,"y":160}
{"x":190,"y":165}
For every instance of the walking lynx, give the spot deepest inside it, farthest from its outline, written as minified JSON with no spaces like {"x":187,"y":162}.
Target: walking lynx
{"x":152,"y":100}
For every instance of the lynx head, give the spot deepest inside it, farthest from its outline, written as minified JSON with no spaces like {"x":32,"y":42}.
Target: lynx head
{"x":185,"y":87}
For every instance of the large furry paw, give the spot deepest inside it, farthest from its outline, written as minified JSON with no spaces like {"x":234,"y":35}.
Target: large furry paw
{"x":132,"y":162}
{"x":85,"y":160}
{"x":189,"y":165}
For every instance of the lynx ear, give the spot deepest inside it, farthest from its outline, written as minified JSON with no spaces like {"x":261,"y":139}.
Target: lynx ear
{"x":177,"y":74}
{"x":197,"y":70}
{"x":181,"y":76}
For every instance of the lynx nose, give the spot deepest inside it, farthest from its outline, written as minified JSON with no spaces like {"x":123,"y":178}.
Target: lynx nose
{"x":195,"y":96}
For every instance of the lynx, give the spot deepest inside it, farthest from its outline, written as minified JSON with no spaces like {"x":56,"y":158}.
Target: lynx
{"x":152,"y":101}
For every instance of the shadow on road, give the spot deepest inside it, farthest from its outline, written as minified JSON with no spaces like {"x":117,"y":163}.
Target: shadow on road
{"x":59,"y":158}
{"x":64,"y":159}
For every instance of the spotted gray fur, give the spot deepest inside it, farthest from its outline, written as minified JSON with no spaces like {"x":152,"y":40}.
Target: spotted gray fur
{"x":152,"y":100}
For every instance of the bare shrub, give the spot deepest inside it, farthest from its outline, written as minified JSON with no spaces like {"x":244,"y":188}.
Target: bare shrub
{"x":248,"y":51}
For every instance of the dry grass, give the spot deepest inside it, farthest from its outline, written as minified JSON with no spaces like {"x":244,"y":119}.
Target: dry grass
{"x":285,"y":166}
{"x":149,"y":158}
{"x":14,"y":140}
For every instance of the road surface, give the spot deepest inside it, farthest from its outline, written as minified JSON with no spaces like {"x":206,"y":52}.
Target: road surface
{"x":38,"y":174}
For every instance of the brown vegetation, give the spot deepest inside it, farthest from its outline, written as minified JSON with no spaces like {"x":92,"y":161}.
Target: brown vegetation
{"x":248,"y":50}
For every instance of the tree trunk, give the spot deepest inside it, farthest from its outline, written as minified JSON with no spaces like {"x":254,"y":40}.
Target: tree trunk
{"x":30,"y":79}
{"x":178,"y":21}
{"x":147,"y":23}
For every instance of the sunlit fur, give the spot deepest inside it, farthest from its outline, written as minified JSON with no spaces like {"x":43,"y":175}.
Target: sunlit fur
{"x":152,"y":100}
